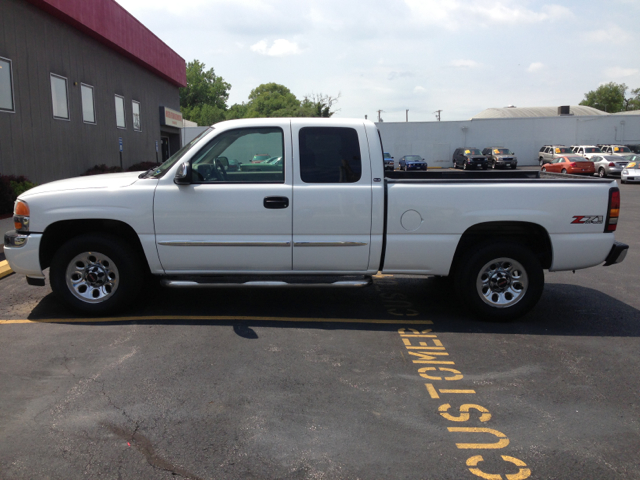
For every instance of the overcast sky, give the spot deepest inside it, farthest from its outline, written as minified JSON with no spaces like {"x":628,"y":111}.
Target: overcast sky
{"x":423,"y":55}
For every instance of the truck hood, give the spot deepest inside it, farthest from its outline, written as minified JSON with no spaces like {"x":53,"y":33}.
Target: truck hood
{"x":109,"y":180}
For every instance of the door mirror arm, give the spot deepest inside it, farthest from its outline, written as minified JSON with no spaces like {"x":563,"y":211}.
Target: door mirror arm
{"x":183,"y":175}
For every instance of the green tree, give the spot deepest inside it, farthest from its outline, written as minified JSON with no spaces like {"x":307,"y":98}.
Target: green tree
{"x":275,"y":100}
{"x":204,"y":99}
{"x":633,"y":102}
{"x":272,"y":100}
{"x":609,"y":97}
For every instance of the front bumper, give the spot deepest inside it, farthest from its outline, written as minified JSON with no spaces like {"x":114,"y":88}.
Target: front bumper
{"x":416,"y":166}
{"x":22,"y":251}
{"x":617,"y":254}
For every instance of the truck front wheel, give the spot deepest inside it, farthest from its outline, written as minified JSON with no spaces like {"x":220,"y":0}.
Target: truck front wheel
{"x":96,"y":274}
{"x":500,"y":281}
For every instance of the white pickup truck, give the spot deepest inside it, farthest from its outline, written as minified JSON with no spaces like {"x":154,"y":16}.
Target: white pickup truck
{"x":315,"y":209}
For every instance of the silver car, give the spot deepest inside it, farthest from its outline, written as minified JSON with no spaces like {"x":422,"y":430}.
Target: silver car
{"x":631,"y":173}
{"x":606,"y":165}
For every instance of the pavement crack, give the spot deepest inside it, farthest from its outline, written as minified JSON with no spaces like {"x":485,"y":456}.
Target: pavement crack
{"x":145,"y":447}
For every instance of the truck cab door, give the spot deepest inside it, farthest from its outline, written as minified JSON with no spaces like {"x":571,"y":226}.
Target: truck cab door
{"x":234,"y":216}
{"x":332,"y":198}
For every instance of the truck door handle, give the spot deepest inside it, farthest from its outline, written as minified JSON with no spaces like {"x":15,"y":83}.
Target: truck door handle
{"x":276,"y":202}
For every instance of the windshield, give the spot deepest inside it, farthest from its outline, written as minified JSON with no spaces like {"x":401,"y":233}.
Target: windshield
{"x":472,"y":151}
{"x":501,"y":151}
{"x":387,"y":155}
{"x":621,"y":149}
{"x":171,"y":161}
{"x":413,"y":158}
{"x":563,"y":150}
{"x":592,"y":150}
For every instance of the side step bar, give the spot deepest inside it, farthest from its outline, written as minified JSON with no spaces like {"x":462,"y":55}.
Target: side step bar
{"x":205,"y":282}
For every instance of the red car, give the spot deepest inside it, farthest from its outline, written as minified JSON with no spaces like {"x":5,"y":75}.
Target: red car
{"x":574,"y":165}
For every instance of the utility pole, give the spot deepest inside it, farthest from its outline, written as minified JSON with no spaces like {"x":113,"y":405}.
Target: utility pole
{"x":437,"y":112}
{"x":407,"y":112}
{"x":380,"y":118}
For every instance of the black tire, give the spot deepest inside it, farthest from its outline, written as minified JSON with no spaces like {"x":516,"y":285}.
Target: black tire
{"x":514,"y":284}
{"x":464,"y":166}
{"x":602,"y":173}
{"x":455,"y":165}
{"x":541,"y":161}
{"x":544,"y":169}
{"x":564,"y":170}
{"x":96,"y":274}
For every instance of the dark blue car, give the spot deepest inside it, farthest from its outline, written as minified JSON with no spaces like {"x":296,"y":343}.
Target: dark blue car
{"x":412,"y":162}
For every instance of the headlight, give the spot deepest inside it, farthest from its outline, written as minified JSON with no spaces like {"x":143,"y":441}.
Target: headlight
{"x":21,"y":216}
{"x":625,"y":172}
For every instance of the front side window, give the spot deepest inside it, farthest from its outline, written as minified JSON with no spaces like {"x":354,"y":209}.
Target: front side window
{"x":135,"y":107}
{"x":329,"y":155}
{"x":230,"y":157}
{"x":59,"y":97}
{"x":88,"y":104}
{"x":6,"y":86}
{"x":120,"y":116}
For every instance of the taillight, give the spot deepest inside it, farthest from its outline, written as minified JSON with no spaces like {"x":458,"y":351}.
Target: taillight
{"x":611,"y":164}
{"x":572,"y":164}
{"x":614,"y":210}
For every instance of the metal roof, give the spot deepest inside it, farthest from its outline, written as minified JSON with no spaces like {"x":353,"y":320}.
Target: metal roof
{"x":524,"y":112}
{"x":113,"y":26}
{"x":629,"y":112}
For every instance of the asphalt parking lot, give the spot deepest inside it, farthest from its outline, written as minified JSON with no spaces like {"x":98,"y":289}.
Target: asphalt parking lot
{"x":324,"y":384}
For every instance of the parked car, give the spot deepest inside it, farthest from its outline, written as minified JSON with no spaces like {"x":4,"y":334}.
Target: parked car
{"x":631,"y":172}
{"x":586,"y":151}
{"x":615,"y":150}
{"x":468,"y":158}
{"x":388,"y":161}
{"x":634,"y":148}
{"x":260,"y":157}
{"x":606,"y":165}
{"x":549,"y":152}
{"x":412,"y":162}
{"x":571,"y":164}
{"x":500,"y":157}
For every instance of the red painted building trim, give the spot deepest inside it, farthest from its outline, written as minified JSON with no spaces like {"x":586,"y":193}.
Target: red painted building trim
{"x":113,"y":26}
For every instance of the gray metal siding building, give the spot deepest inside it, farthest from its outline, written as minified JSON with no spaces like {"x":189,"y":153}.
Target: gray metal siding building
{"x":76,"y":49}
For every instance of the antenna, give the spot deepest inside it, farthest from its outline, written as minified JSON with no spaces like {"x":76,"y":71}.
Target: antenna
{"x":437,"y":112}
{"x":379,"y":112}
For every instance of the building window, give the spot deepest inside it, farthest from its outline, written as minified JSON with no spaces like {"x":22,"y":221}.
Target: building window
{"x":88,"y":104}
{"x":6,"y":86}
{"x":120,"y":116}
{"x":59,"y":98}
{"x":135,"y":107}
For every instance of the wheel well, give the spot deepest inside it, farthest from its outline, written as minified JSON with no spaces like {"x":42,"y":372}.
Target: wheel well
{"x":56,"y":234}
{"x":531,"y":235}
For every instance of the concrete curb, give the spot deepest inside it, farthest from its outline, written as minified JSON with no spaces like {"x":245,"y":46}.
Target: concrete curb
{"x":5,"y":269}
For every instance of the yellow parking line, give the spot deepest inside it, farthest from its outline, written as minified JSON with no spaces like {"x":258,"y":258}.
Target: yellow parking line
{"x":216,"y":319}
{"x":5,"y":269}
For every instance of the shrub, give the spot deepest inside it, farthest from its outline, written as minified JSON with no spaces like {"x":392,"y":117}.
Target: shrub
{"x":100,"y":169}
{"x":10,"y":187}
{"x":142,"y":166}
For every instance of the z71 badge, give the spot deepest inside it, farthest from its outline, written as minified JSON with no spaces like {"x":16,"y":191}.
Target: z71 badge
{"x":587,"y":219}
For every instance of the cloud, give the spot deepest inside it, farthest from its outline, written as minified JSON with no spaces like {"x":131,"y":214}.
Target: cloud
{"x":279,"y":48}
{"x":535,"y":66}
{"x":453,"y":14}
{"x":464,"y":64}
{"x":609,"y":34}
{"x":419,"y":90}
{"x":619,"y":72}
{"x":394,"y":75}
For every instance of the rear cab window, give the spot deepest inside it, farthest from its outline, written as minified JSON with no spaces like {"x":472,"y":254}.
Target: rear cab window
{"x":329,"y":155}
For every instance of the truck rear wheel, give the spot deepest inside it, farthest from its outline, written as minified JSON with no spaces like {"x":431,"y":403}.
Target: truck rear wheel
{"x":96,"y":274}
{"x":500,"y":281}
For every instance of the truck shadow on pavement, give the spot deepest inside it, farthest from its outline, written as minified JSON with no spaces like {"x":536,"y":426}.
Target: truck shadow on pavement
{"x":564,"y":309}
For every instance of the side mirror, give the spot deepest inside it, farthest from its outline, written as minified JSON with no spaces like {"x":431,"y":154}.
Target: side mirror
{"x":183,"y":175}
